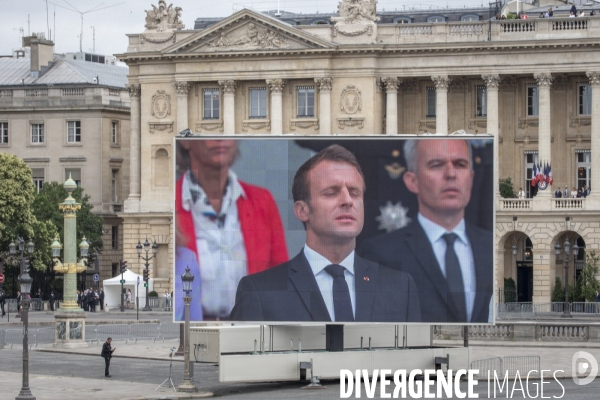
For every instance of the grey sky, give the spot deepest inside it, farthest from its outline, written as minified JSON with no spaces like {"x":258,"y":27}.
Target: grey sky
{"x":113,"y":23}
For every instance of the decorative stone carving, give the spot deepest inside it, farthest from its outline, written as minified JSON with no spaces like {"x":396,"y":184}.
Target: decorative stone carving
{"x":492,"y":81}
{"x":544,"y":79}
{"x":594,"y":78}
{"x":276,"y":85}
{"x":356,"y":17}
{"x":351,"y":101}
{"x":390,"y":84}
{"x":228,"y":86}
{"x":182,"y":88}
{"x":351,"y":121}
{"x":157,"y":38}
{"x":459,"y":85}
{"x":134,"y":90}
{"x":409,"y":86}
{"x":356,"y":11}
{"x":255,"y":125}
{"x":163,"y":18}
{"x":441,"y":82}
{"x":161,"y":104}
{"x":324,"y":84}
{"x":251,"y":37}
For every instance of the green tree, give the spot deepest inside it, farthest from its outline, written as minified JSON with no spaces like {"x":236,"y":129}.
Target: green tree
{"x":506,"y":189}
{"x":45,"y":208}
{"x":558,"y":294}
{"x":17,"y":217}
{"x":510,"y":290}
{"x":589,"y":283}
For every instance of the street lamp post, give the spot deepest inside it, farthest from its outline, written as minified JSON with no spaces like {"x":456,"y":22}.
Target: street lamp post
{"x":566,"y":312}
{"x":187,"y":385}
{"x":147,"y":265}
{"x":25,"y":283}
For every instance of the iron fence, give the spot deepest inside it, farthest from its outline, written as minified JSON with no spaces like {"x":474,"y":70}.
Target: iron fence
{"x":144,"y":331}
{"x":507,"y":366}
{"x":114,"y":331}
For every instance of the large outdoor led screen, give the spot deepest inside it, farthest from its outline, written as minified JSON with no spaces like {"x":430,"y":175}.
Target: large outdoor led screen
{"x":345,"y":230}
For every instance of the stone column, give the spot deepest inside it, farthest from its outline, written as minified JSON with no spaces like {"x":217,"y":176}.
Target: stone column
{"x":132,"y":204}
{"x":594,"y":196}
{"x":182,"y":89}
{"x":441,"y":103}
{"x":544,"y":81}
{"x":276,"y":88}
{"x":324,"y":87}
{"x":391,"y":105}
{"x":492,"y":83}
{"x":541,"y":272}
{"x":499,"y":271}
{"x":228,"y":88}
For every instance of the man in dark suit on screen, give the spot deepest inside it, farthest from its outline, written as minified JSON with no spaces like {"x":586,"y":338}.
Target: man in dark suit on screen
{"x":451,"y":261}
{"x":327,"y":281}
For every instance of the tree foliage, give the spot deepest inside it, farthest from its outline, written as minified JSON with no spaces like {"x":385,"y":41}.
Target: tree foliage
{"x":16,"y":214}
{"x":506,"y":189}
{"x":589,"y":283}
{"x":558,"y":294}
{"x":45,"y":208}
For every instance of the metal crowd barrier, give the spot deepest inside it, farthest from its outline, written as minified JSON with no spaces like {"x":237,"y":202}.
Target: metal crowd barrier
{"x":169,"y":330}
{"x":11,"y":305}
{"x":507,"y":365}
{"x":44,"y":336}
{"x":587,"y":308}
{"x":155,"y":302}
{"x":2,"y":338}
{"x":91,"y":333}
{"x":509,"y":311}
{"x":114,"y":331}
{"x":15,"y":336}
{"x":144,"y":331}
{"x":36,"y":305}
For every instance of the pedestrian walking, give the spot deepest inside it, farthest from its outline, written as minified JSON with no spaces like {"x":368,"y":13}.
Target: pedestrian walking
{"x":101,"y":299}
{"x":19,"y":302}
{"x":2,"y":301}
{"x":51,"y":301}
{"x":128,"y":298}
{"x":107,"y":354}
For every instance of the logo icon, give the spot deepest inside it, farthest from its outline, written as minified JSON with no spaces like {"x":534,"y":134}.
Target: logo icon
{"x":580,"y":367}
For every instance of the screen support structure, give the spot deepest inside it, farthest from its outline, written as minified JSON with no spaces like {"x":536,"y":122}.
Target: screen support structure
{"x":334,"y":338}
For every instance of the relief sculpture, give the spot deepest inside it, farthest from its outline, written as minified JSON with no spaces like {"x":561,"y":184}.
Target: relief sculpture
{"x":164,"y":17}
{"x":252,"y":38}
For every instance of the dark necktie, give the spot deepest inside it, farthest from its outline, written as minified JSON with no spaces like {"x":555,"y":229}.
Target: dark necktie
{"x":456,"y":288}
{"x":342,"y":305}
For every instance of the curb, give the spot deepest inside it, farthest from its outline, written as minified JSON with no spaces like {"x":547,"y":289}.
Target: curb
{"x":199,"y":395}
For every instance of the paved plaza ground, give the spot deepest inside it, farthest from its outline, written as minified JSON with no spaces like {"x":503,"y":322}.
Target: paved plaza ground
{"x":138,"y":368}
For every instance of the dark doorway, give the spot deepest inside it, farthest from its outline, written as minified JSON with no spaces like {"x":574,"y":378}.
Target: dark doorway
{"x":524,"y":281}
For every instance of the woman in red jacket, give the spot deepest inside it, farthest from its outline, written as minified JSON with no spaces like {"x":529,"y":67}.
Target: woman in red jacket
{"x":233,"y":228}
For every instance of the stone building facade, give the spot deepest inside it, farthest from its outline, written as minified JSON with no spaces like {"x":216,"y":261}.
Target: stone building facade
{"x":527,"y":82}
{"x":65,"y":115}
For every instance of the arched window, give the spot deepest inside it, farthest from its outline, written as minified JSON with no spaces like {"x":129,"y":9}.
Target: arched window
{"x":161,"y":168}
{"x":436,"y":18}
{"x":402,"y":20}
{"x":469,"y":18}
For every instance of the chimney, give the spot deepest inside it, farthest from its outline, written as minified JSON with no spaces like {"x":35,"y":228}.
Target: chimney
{"x":42,"y":53}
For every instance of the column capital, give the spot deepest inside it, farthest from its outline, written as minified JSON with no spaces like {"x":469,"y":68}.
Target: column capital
{"x":276,"y":85}
{"x":134,"y":90}
{"x":492,"y":81}
{"x":228,"y":86}
{"x":324,"y":84}
{"x":390,"y":83}
{"x":182,"y":87}
{"x":544,"y":79}
{"x":594,"y":77}
{"x":441,"y":82}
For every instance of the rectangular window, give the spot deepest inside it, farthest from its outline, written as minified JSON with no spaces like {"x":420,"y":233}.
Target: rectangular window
{"x":306,"y":101}
{"x":114,"y":132}
{"x":430,"y":102}
{"x":73,"y":131}
{"x":481,"y":101}
{"x":75,"y":174}
{"x":3,"y":132}
{"x":584,"y":168}
{"x":585,"y":99}
{"x":533,"y":100}
{"x":115,"y":238}
{"x":37,"y":133}
{"x":211,"y":103}
{"x":258,"y":102}
{"x":114,"y":185}
{"x":38,"y":178}
{"x":530,"y":159}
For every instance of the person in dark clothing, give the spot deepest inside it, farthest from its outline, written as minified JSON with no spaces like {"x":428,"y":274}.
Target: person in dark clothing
{"x":107,"y":354}
{"x":91,"y":300}
{"x":51,"y":301}
{"x":101,"y":299}
{"x":19,"y":302}
{"x":2,"y":301}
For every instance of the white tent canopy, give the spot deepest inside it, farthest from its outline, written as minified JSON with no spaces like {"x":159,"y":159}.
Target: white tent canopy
{"x":112,"y":288}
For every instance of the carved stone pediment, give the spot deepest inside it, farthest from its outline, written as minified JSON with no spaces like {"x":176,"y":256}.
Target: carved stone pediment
{"x":248,"y":30}
{"x":163,"y":18}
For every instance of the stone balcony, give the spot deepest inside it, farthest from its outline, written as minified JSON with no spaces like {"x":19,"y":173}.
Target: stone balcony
{"x":515,"y":206}
{"x":72,"y":97}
